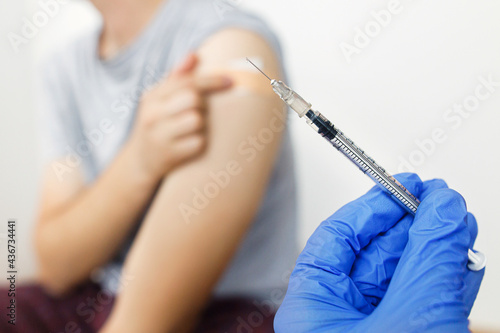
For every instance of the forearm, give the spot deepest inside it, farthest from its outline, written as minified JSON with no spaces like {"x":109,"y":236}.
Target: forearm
{"x":80,"y":230}
{"x":86,"y":232}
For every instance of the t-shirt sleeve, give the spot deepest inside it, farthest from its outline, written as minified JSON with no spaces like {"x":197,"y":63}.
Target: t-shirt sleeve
{"x":219,"y":15}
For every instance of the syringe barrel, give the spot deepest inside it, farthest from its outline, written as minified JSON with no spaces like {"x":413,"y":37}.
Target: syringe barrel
{"x":399,"y":193}
{"x":364,"y":162}
{"x":290,"y":97}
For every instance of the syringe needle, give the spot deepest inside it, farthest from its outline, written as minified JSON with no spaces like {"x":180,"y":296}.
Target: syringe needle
{"x":258,"y":69}
{"x":337,"y":139}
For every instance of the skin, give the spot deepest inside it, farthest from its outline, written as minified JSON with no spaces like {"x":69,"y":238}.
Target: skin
{"x":168,"y":131}
{"x":173,"y":265}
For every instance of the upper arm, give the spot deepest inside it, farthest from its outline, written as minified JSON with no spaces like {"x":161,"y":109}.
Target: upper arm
{"x":245,"y":125}
{"x":203,"y":208}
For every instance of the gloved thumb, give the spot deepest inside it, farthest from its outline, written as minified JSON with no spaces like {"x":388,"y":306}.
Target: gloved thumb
{"x":439,"y":233}
{"x":431,"y":274}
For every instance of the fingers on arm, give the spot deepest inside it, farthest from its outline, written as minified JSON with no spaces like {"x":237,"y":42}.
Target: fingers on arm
{"x":198,"y":237}
{"x":185,"y":99}
{"x":185,"y":147}
{"x":232,"y":121}
{"x":212,"y":83}
{"x":186,"y":65}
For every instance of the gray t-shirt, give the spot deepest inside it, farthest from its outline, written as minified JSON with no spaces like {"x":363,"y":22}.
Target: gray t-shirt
{"x":88,"y":109}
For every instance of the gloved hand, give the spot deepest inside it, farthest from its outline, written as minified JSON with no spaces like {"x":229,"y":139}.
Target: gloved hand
{"x":371,"y":267}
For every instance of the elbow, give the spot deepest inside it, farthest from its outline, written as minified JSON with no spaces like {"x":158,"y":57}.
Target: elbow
{"x":52,"y":283}
{"x":51,"y":277}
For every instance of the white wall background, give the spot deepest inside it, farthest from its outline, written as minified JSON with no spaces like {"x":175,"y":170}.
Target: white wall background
{"x":18,"y":171}
{"x":393,"y":93}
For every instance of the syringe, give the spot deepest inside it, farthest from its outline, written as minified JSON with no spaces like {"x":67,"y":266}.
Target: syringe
{"x":366,"y":164}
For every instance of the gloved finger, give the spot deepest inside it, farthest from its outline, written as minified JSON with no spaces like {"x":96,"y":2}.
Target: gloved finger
{"x":338,"y":240}
{"x":472,"y":283}
{"x":432,"y":269}
{"x":373,"y":269}
{"x":472,"y":225}
{"x":440,"y":232}
{"x":375,"y":264}
{"x":430,"y":186}
{"x":322,"y":270}
{"x":473,"y":278}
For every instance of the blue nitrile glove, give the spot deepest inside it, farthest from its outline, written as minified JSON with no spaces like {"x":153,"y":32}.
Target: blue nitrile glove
{"x":371,"y":267}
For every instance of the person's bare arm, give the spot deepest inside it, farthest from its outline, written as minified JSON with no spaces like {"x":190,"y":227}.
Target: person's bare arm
{"x":81,"y":227}
{"x":186,"y":243}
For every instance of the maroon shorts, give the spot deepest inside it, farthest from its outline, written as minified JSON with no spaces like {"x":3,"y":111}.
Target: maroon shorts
{"x":85,"y":310}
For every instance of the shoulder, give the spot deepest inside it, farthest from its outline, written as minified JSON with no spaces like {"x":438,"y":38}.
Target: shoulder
{"x":207,"y":18}
{"x":60,"y":64}
{"x":230,"y":47}
{"x":215,"y":11}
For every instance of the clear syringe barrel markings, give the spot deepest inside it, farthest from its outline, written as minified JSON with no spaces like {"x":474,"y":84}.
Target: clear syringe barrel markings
{"x":477,"y":260}
{"x":365,"y":163}
{"x":327,"y":130}
{"x":401,"y":195}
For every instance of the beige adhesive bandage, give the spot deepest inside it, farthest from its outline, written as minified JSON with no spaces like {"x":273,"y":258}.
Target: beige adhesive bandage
{"x":245,"y":79}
